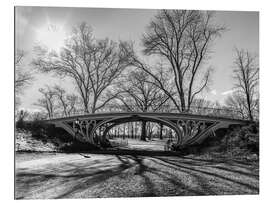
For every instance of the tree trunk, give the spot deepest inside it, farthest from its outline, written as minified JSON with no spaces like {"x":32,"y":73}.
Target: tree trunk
{"x":132,"y":130}
{"x":85,"y":107}
{"x":143,"y":134}
{"x":160,"y":132}
{"x":128,"y":135}
{"x":94,"y":105}
{"x":124,"y":131}
{"x":249,"y":106}
{"x":182,"y":99}
{"x":148,"y":130}
{"x":136,"y":130}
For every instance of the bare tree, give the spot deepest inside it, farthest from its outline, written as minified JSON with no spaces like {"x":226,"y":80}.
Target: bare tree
{"x":201,"y":106}
{"x":237,"y":101}
{"x":139,"y":93}
{"x":22,"y":115}
{"x":37,"y":116}
{"x":60,"y":94}
{"x":183,"y":39}
{"x":256,"y":108}
{"x":67,"y":102}
{"x":47,"y":101}
{"x":92,"y":64}
{"x":22,"y":77}
{"x":72,"y":103}
{"x":246,"y":74}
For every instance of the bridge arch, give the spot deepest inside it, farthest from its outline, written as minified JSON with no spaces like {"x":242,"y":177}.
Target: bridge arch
{"x":190,"y":129}
{"x":134,"y":118}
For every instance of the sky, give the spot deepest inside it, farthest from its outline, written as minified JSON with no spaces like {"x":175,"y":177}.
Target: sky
{"x":50,"y":25}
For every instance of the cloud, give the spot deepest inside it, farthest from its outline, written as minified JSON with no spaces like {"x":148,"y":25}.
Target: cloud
{"x":228,"y":92}
{"x":214,"y":92}
{"x":20,"y":19}
{"x":31,"y":110}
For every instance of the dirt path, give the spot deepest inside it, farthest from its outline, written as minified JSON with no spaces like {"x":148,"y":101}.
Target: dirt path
{"x":77,"y":176}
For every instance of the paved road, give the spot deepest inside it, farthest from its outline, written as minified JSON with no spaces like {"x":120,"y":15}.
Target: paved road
{"x":88,"y":175}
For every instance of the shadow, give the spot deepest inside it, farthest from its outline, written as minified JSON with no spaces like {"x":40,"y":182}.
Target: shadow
{"x":175,"y":181}
{"x":78,"y":176}
{"x":202,"y":172}
{"x":136,"y":152}
{"x":140,"y":171}
{"x":184,"y":175}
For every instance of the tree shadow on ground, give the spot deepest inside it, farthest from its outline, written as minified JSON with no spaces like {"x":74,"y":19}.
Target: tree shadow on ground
{"x":67,"y":179}
{"x":77,"y":177}
{"x":209,"y":170}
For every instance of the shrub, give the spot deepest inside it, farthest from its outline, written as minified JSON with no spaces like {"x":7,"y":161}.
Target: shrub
{"x":77,"y":146}
{"x":235,"y":140}
{"x":45,"y":132}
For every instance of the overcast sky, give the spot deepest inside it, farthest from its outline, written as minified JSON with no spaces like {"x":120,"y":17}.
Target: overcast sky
{"x":49,"y":26}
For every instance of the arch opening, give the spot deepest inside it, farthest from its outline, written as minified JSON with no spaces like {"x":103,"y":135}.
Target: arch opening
{"x":127,"y":132}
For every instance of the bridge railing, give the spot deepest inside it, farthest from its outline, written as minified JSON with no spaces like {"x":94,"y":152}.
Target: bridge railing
{"x":205,"y":111}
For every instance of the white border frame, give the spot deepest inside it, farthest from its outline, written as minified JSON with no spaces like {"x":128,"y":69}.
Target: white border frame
{"x":7,"y":85}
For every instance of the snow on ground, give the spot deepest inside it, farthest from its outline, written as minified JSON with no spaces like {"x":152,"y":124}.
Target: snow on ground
{"x":25,"y":142}
{"x":59,"y":175}
{"x":136,"y":144}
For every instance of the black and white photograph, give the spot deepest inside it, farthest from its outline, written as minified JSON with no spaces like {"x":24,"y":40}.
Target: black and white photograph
{"x":133,"y":102}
